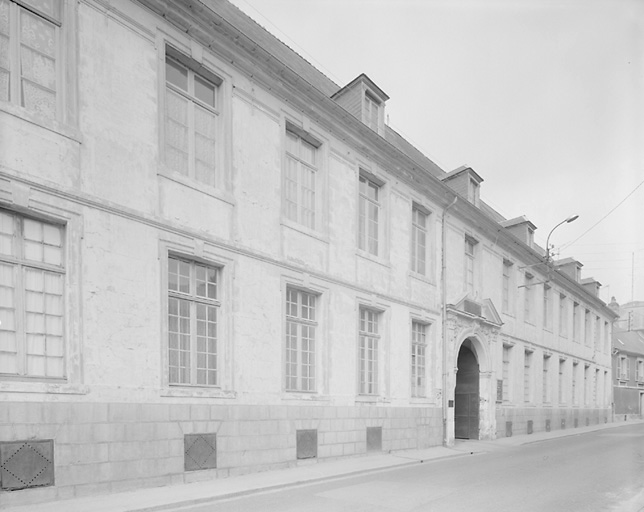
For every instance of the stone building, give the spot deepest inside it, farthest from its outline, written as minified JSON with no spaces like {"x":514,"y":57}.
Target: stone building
{"x":628,"y":361}
{"x":215,"y":260}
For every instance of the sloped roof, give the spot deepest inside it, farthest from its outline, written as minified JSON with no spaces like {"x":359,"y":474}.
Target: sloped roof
{"x":629,"y":341}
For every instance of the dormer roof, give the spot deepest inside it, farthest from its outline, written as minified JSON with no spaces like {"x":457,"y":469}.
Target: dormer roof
{"x":517,"y":221}
{"x":463,"y":168}
{"x":371,"y":85}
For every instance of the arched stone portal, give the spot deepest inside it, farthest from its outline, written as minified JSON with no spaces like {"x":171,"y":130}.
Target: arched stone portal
{"x":466,"y":394}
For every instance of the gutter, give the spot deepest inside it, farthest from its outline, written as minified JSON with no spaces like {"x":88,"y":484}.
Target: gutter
{"x":444,"y":315}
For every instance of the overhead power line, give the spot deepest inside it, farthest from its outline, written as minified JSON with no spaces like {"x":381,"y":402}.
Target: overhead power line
{"x":596,"y":223}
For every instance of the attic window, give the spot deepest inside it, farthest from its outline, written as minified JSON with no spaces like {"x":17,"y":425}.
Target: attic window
{"x":371,"y":112}
{"x":473,"y":192}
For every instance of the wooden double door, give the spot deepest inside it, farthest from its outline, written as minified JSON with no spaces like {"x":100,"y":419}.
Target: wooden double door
{"x":466,"y":396}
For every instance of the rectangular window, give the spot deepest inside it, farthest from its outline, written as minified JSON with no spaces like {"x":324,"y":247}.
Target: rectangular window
{"x":587,"y":327}
{"x":371,"y":111}
{"x":575,"y":370}
{"x":419,"y":240}
{"x":300,"y":175}
{"x":32,"y":286}
{"x":470,"y":255}
{"x":507,"y":269}
{"x":369,"y":216}
{"x":547,"y":315}
{"x":562,"y":368}
{"x":597,"y":333}
{"x":575,"y":322}
{"x":527,"y":296}
{"x":527,"y":377}
{"x":506,"y":373}
{"x":193,"y":305}
{"x":191,"y":118}
{"x":586,"y":386}
{"x":606,"y":337}
{"x":418,"y":359}
{"x":640,"y":370}
{"x":596,"y":387}
{"x":546,"y":379}
{"x":30,"y":73}
{"x":301,"y":324}
{"x":368,"y":345}
{"x":563,"y":316}
{"x":623,"y":368}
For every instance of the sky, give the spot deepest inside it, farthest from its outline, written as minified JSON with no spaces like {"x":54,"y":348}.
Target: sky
{"x":544,"y":99}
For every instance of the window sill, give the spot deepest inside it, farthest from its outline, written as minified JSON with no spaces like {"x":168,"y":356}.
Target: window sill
{"x":197,"y":393}
{"x":287,"y":223}
{"x":290,"y":396}
{"x":372,"y":399}
{"x":421,"y":277}
{"x":208,"y":190}
{"x":375,"y":259}
{"x":52,"y":388}
{"x":48,"y":124}
{"x":421,"y":400}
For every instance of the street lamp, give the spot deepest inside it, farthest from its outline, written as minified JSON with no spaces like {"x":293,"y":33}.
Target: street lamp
{"x":565,"y":221}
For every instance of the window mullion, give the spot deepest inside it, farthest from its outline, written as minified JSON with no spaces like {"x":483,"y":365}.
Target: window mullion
{"x":20,"y":319}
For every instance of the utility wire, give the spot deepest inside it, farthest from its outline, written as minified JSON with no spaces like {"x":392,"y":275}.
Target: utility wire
{"x":594,"y":225}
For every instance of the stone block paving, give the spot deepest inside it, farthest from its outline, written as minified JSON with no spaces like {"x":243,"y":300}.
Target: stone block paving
{"x":170,"y":497}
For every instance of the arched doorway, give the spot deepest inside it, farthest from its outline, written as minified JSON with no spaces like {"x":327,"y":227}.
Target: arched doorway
{"x":466,"y":394}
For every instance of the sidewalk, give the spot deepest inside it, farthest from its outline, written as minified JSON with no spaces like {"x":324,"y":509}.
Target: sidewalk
{"x":171,"y":497}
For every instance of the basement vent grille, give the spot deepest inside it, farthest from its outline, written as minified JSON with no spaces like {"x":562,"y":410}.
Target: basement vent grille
{"x":307,"y":444}
{"x":587,"y":421}
{"x":508,"y":429}
{"x":530,"y":426}
{"x":26,"y":464}
{"x":374,"y":439}
{"x":200,"y":451}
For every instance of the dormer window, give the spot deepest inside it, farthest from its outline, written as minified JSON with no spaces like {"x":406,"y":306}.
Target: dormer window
{"x":365,"y":100}
{"x":473,"y":192}
{"x":371,"y":111}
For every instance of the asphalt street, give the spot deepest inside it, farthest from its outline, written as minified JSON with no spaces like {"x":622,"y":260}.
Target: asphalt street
{"x":596,"y":471}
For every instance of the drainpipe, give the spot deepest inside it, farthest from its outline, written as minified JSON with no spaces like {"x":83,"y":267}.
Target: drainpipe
{"x":444,"y":319}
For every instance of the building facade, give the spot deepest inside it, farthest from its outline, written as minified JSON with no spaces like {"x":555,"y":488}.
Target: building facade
{"x":215,"y":260}
{"x":628,"y":361}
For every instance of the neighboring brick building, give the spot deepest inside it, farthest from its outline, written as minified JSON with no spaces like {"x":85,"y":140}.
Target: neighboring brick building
{"x":628,"y":361}
{"x":214,"y":260}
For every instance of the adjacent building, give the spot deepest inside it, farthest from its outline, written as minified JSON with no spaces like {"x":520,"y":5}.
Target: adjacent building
{"x":215,"y":260}
{"x":628,"y":361}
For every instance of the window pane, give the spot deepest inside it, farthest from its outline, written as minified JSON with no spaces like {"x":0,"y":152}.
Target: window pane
{"x":205,"y":150}
{"x":38,"y":68}
{"x":37,"y":34}
{"x":204,"y":91}
{"x":176,"y":74}
{"x":4,"y":16}
{"x":176,"y":136}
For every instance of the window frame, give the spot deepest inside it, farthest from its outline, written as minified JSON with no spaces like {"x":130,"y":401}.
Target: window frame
{"x":506,"y":287}
{"x":364,"y":245}
{"x":547,"y":307}
{"x":65,"y":106}
{"x":528,"y":299}
{"x":299,"y":322}
{"x":369,"y":371}
{"x":419,"y":362}
{"x":563,"y":316}
{"x":506,"y":371}
{"x":315,"y":168}
{"x":546,"y":379}
{"x":20,"y":264}
{"x":527,"y":376}
{"x":420,"y":252}
{"x":194,"y":301}
{"x":469,"y":269}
